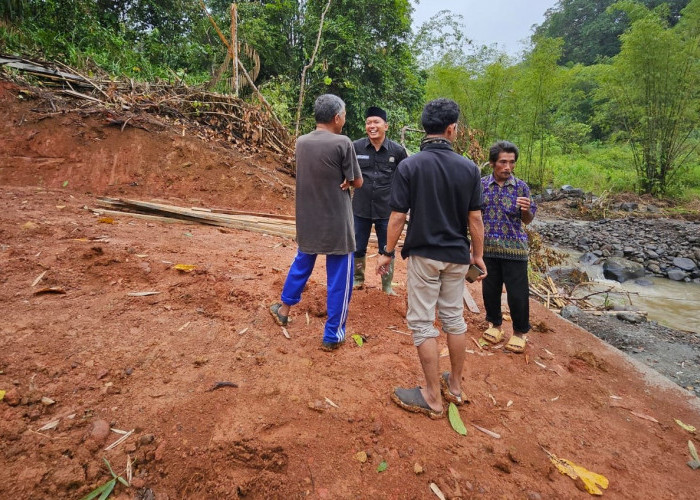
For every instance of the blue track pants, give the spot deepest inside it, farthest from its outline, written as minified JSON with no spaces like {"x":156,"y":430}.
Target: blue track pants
{"x":339,"y":271}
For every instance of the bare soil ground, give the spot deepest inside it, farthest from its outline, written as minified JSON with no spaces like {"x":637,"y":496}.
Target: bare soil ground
{"x":297,"y":417}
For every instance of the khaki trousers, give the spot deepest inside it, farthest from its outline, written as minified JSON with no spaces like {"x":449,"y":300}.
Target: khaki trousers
{"x":431,"y":284}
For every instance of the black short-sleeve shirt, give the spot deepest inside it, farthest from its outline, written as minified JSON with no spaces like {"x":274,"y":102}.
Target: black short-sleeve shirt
{"x":439,"y":188}
{"x":371,"y":201}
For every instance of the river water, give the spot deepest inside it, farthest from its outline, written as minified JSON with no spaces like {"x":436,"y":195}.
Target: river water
{"x":670,"y":303}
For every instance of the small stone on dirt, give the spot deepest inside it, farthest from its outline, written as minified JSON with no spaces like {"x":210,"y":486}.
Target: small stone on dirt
{"x":418,"y":469}
{"x":99,"y":431}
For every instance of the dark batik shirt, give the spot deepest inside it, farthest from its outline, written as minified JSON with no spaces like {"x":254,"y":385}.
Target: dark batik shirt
{"x":371,"y":201}
{"x":504,"y":232}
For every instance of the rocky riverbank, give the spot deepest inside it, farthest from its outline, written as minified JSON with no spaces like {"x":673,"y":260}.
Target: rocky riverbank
{"x":664,"y":247}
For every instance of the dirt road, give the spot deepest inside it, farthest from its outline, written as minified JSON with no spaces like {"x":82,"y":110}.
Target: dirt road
{"x":295,"y":421}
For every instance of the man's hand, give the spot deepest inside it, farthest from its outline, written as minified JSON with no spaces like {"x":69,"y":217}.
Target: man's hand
{"x":523,"y":203}
{"x":383,"y":262}
{"x":479,"y":262}
{"x":345,"y":185}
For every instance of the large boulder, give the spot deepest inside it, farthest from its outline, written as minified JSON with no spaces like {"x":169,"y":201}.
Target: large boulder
{"x":677,"y":275}
{"x":619,"y":269}
{"x":684,"y":264}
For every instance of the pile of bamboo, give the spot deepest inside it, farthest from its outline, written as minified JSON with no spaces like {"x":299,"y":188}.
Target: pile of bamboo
{"x":272,"y":224}
{"x":553,"y":297}
{"x":209,"y":115}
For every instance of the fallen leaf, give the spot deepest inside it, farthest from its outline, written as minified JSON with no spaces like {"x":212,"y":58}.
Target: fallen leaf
{"x":49,"y":426}
{"x":645,"y":417}
{"x":38,"y":279}
{"x":105,"y":220}
{"x":438,"y":493}
{"x":47,"y":401}
{"x":286,"y":333}
{"x":358,"y":339}
{"x":331,"y":403}
{"x":185,"y":268}
{"x":693,"y":451}
{"x":445,"y":352}
{"x":591,"y":481}
{"x":53,"y":289}
{"x":361,"y":457}
{"x":488,"y":432}
{"x":687,"y":427}
{"x":456,"y":420}
{"x":65,"y":183}
{"x":2,"y":395}
{"x":509,"y":404}
{"x":382,"y":467}
{"x":141,"y":294}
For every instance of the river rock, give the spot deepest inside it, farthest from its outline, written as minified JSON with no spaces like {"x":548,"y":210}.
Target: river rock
{"x":677,"y":275}
{"x":622,"y":270}
{"x":696,"y":252}
{"x":588,"y":259}
{"x":569,"y":312}
{"x":684,"y":264}
{"x":631,"y":317}
{"x":629,"y":206}
{"x":644,"y":282}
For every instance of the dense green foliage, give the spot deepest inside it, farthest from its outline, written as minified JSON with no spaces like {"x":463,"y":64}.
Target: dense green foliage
{"x":365,"y":59}
{"x":591,"y":31}
{"x":641,"y":103}
{"x":606,"y":97}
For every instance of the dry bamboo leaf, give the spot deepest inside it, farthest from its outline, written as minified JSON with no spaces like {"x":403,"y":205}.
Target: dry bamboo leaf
{"x":120,"y":440}
{"x":687,"y":427}
{"x":243,"y":331}
{"x":185,"y":268}
{"x":644,"y":417}
{"x":540,"y":365}
{"x":488,"y":432}
{"x":38,"y":278}
{"x":286,"y":333}
{"x":51,"y":290}
{"x":438,"y":493}
{"x":493,"y":400}
{"x":308,"y":320}
{"x":49,"y":426}
{"x":141,"y":294}
{"x":184,"y":326}
{"x":331,"y":403}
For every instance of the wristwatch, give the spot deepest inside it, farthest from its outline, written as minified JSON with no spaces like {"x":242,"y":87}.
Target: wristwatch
{"x":391,"y":254}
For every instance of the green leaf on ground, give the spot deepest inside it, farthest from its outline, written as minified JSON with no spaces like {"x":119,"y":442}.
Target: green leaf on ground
{"x":2,"y":395}
{"x":456,"y":420}
{"x":358,"y":339}
{"x":65,"y":183}
{"x":382,"y":467}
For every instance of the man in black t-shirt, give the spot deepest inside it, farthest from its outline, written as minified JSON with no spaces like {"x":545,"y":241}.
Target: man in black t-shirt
{"x":378,"y":158}
{"x":442,"y":190}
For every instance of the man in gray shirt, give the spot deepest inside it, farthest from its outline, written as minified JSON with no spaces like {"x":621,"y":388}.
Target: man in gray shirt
{"x":326,"y":168}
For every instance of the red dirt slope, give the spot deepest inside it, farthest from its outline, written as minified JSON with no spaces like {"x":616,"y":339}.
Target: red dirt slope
{"x":295,"y":423}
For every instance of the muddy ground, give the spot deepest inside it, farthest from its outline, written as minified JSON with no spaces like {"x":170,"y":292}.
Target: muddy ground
{"x":296,"y":422}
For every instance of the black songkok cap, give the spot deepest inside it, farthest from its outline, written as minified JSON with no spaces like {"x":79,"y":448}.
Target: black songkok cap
{"x":375,"y":111}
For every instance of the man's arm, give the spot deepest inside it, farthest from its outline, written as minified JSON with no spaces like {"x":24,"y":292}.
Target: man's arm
{"x":476,"y":231}
{"x":396,"y":222}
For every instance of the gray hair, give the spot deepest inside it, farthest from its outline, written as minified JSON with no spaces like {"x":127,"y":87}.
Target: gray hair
{"x":326,"y":107}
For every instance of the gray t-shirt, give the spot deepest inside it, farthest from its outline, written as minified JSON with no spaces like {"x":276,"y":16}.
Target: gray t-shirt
{"x":324,"y":211}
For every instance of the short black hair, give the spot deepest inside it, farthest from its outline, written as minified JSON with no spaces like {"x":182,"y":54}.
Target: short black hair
{"x":502,"y":147}
{"x":326,"y":107}
{"x":439,"y":114}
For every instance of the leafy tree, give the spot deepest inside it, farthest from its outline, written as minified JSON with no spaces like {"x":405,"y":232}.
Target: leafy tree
{"x":653,"y":89}
{"x":591,"y":31}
